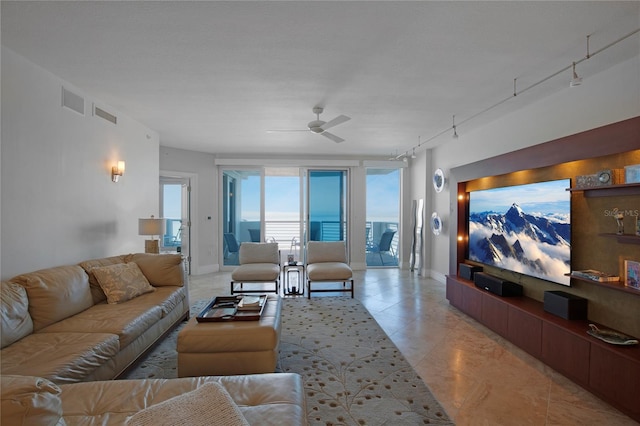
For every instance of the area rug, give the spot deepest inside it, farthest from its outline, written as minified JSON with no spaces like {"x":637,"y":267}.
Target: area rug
{"x":353,"y":373}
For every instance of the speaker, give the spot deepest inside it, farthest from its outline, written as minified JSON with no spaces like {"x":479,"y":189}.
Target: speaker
{"x":467,"y":271}
{"x":497,"y":285}
{"x":565,"y":305}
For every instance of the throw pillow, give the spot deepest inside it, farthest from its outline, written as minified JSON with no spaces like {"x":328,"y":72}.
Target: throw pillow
{"x":122,"y":282}
{"x":88,"y":265}
{"x":208,"y":405}
{"x":30,"y":400}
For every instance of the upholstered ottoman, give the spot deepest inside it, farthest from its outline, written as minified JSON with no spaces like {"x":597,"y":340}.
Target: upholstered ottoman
{"x":231,"y":347}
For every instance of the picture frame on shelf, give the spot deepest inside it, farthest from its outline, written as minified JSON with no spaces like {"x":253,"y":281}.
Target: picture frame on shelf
{"x":632,"y":274}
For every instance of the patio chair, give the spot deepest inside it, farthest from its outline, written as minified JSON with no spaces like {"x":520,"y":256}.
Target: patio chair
{"x":231,"y":244}
{"x":384,"y":245}
{"x":327,"y":262}
{"x":254,"y":234}
{"x":259,"y":263}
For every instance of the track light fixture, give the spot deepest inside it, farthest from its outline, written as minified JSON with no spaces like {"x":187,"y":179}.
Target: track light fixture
{"x":455,"y":133}
{"x":575,"y":81}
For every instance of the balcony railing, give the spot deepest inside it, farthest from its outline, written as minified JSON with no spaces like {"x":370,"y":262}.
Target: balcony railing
{"x":287,"y":234}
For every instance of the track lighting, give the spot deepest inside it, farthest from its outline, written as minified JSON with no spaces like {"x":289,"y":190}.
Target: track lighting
{"x":575,"y":81}
{"x":455,"y":133}
{"x":413,"y":155}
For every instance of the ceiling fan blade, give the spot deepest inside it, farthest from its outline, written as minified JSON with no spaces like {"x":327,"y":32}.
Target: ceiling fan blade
{"x":286,"y":130}
{"x":333,"y":137}
{"x":338,"y":120}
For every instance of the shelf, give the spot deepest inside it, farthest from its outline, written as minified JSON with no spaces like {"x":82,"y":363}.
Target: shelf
{"x":609,"y":190}
{"x":624,"y":238}
{"x":615,"y":285}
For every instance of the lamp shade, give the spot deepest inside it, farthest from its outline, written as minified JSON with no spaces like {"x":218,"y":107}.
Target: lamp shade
{"x":150,"y":226}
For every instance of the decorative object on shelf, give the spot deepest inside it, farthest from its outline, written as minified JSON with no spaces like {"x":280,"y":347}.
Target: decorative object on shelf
{"x":610,"y":177}
{"x":436,"y":224}
{"x":605,"y":177}
{"x":291,"y":260}
{"x":438,"y":180}
{"x":611,"y":336}
{"x":151,"y":227}
{"x":632,"y":173}
{"x":632,"y":274}
{"x":593,"y":275}
{"x":586,"y":181}
{"x":620,"y":222}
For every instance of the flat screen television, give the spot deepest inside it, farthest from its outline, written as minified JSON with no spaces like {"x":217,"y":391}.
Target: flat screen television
{"x":523,"y":228}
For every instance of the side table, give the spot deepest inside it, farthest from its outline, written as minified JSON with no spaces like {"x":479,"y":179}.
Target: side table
{"x":297,"y":287}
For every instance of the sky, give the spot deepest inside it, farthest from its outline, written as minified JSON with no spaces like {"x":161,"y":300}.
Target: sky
{"x":540,"y":197}
{"x":282,"y":198}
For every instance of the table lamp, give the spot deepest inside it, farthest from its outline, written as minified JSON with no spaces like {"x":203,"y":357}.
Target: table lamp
{"x":151,"y":227}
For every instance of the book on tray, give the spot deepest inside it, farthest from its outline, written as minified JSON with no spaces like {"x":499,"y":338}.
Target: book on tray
{"x":592,"y":274}
{"x":250,"y":302}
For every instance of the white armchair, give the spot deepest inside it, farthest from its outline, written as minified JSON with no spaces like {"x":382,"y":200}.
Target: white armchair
{"x":259,"y":263}
{"x":327,"y":261}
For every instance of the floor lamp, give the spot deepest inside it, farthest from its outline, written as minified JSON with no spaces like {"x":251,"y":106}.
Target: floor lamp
{"x":151,"y":227}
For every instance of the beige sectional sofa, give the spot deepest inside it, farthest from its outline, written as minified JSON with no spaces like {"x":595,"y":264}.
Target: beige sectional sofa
{"x":67,"y":330}
{"x":57,"y":322}
{"x":257,"y":399}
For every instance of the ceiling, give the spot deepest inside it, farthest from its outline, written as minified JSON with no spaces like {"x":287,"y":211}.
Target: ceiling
{"x":215,"y":76}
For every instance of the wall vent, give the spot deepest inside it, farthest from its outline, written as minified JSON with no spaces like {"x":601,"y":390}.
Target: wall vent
{"x":97,"y":111}
{"x":72,"y":101}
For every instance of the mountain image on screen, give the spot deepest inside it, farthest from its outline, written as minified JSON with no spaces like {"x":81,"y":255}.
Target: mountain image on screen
{"x":531,"y":243}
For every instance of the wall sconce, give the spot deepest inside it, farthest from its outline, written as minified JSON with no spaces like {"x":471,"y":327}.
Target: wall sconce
{"x":117,"y":171}
{"x":151,"y":227}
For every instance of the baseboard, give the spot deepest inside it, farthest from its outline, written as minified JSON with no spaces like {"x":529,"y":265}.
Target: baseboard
{"x":438,"y":276}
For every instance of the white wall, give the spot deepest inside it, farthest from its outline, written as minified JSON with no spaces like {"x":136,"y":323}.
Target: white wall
{"x":204,"y":210}
{"x":605,"y":98}
{"x":59,"y":205}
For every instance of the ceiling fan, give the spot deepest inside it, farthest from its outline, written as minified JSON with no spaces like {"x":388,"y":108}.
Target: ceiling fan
{"x":320,"y":127}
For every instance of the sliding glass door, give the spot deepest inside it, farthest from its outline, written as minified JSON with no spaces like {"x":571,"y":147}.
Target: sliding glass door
{"x":383,"y":216}
{"x":241,"y":211}
{"x":265,"y":205}
{"x":327,"y":205}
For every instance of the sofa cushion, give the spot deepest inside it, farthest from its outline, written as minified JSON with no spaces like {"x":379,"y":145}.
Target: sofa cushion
{"x":88,"y":265}
{"x":59,"y":357}
{"x":160,"y":269}
{"x":326,"y":251}
{"x":275,"y":399}
{"x":208,"y":405}
{"x":326,"y":271}
{"x":14,"y":308}
{"x":127,"y":320}
{"x":259,"y":253}
{"x":28,"y":400}
{"x":122,"y":281}
{"x":56,"y":293}
{"x":256,"y":272}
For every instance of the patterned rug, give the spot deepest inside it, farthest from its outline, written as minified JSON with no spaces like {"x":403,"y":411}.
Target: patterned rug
{"x":353,"y":373}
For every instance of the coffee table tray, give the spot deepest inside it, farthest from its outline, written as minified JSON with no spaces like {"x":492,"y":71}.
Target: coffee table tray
{"x":230,"y":308}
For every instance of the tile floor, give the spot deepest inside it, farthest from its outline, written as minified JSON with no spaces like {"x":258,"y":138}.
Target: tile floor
{"x":480,"y":378}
